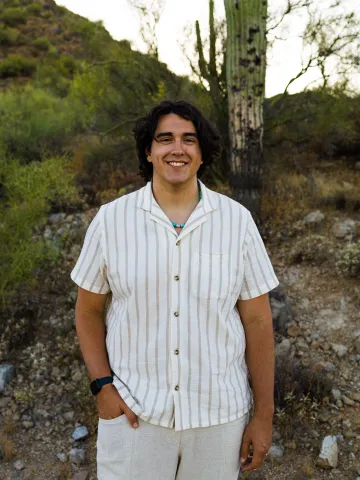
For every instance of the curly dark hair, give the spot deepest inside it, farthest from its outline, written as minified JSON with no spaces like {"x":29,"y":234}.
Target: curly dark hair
{"x":208,"y":135}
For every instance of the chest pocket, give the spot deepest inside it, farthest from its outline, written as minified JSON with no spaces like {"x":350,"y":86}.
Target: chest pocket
{"x":211,"y":276}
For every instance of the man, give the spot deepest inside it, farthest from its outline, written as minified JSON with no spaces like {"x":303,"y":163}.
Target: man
{"x":188,"y":276}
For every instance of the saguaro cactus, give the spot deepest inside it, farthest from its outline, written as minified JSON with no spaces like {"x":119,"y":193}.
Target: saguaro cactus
{"x":246,"y":68}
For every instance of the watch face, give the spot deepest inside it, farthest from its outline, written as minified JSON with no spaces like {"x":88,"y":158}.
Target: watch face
{"x":94,"y":387}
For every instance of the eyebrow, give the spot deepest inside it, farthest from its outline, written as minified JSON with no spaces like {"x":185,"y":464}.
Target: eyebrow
{"x":169,"y":134}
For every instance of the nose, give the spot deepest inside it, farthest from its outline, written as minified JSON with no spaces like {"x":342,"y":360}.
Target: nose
{"x":177,"y":148}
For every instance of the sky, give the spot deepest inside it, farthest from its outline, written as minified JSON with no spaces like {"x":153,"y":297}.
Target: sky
{"x":122,"y":21}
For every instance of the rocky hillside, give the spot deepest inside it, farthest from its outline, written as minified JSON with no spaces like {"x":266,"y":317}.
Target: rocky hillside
{"x":48,"y":414}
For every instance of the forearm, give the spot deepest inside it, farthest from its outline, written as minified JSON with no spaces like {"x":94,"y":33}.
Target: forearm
{"x":91,"y":332}
{"x":260,"y":361}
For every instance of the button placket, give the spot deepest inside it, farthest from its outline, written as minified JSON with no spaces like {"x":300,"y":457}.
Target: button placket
{"x":175,"y":273}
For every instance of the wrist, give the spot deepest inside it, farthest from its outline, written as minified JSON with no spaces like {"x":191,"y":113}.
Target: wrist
{"x":265,"y":412}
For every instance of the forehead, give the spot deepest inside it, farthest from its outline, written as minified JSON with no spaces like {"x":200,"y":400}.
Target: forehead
{"x":174,"y":123}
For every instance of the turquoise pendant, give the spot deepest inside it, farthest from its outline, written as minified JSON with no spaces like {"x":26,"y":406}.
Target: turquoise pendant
{"x":182,"y":225}
{"x":178,"y":225}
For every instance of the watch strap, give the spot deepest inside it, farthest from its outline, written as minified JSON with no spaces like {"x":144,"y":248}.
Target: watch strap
{"x":97,"y":384}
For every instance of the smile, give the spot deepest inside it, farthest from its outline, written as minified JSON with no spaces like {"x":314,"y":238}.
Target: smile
{"x":177,"y":164}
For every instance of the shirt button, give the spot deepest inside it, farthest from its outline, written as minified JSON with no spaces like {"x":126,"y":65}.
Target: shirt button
{"x":176,"y":314}
{"x":177,"y":277}
{"x":177,"y":387}
{"x":178,"y":243}
{"x":176,"y":352}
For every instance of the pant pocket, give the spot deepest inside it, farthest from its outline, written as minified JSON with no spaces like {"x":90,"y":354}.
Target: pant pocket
{"x":114,"y":448}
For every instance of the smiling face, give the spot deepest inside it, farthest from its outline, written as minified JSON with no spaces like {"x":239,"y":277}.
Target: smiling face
{"x":175,"y":150}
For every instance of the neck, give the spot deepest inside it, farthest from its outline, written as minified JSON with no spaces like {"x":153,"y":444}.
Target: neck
{"x":175,"y":196}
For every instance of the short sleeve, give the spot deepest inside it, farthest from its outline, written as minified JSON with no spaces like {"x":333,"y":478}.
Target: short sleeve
{"x":90,"y":269}
{"x":259,"y":276}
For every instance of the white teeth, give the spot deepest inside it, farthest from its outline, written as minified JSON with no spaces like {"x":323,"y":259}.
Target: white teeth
{"x":177,"y":164}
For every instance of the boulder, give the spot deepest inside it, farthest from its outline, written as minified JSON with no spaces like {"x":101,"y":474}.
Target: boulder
{"x":340,"y":350}
{"x":280,"y":309}
{"x":328,"y":457}
{"x":314,"y":217}
{"x":77,"y":456}
{"x":345,"y":228}
{"x":7,"y":372}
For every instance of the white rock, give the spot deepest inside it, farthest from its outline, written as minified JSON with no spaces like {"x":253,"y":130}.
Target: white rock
{"x":342,"y":229}
{"x":276,"y":451}
{"x":314,"y":217}
{"x":340,"y":350}
{"x":61,"y":457}
{"x":80,"y":432}
{"x":19,"y":465}
{"x":77,"y":456}
{"x":7,"y":372}
{"x":336,"y":394}
{"x":328,"y":457}
{"x":283,"y":347}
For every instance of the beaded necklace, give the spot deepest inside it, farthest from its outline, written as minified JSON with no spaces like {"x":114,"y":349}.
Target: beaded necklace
{"x":182,"y":225}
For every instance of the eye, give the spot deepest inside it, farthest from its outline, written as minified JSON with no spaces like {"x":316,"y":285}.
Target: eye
{"x":165,"y":140}
{"x":189,"y":140}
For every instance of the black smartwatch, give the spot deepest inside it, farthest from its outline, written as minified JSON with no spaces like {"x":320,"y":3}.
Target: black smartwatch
{"x":97,"y":384}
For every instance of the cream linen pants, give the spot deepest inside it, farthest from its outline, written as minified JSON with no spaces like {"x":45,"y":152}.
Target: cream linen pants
{"x":151,"y":452}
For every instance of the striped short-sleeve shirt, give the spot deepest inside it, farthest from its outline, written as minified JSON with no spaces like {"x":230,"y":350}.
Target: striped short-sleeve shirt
{"x":174,"y":338}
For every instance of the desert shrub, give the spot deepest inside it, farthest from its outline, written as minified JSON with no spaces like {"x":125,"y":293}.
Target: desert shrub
{"x":48,"y":77}
{"x":34,"y":8}
{"x":105,"y":165}
{"x":8,"y":36}
{"x":34,"y":121}
{"x":53,"y":52}
{"x":311,"y":248}
{"x":41,"y":43}
{"x":13,"y":16}
{"x":28,"y":192}
{"x":67,"y":65}
{"x":15,"y":66}
{"x":11,"y":3}
{"x":299,"y":391}
{"x":348,"y":260}
{"x":292,"y":377}
{"x":61,"y":10}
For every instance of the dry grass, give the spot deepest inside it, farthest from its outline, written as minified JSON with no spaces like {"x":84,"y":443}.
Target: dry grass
{"x":290,"y":195}
{"x":7,"y":447}
{"x":286,"y":197}
{"x":9,"y":425}
{"x":63,"y":472}
{"x":308,"y":467}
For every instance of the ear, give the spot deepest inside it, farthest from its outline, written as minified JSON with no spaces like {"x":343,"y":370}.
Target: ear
{"x":148,"y":154}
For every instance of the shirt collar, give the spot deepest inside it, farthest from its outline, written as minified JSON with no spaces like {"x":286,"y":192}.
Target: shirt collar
{"x":209,"y":200}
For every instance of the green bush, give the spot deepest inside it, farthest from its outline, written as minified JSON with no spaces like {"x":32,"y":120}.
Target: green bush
{"x":67,"y":65}
{"x":16,"y":66}
{"x":34,"y":121}
{"x":61,"y":10}
{"x":11,"y":3}
{"x":48,"y":76}
{"x":28,"y":191}
{"x":14,"y":16}
{"x":8,"y":36}
{"x":42,"y":44}
{"x":34,"y":8}
{"x":348,"y":260}
{"x":53,"y":52}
